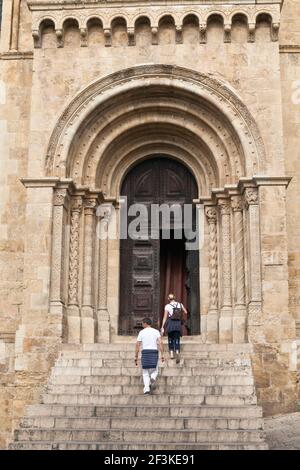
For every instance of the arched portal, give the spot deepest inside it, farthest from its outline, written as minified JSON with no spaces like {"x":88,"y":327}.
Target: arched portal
{"x":111,"y":126}
{"x":155,"y":260}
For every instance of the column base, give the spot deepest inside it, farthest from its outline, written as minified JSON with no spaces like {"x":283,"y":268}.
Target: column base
{"x":225,"y":326}
{"x":103,"y":321}
{"x":73,"y":325}
{"x":212,"y":326}
{"x":239,"y":325}
{"x":88,"y":330}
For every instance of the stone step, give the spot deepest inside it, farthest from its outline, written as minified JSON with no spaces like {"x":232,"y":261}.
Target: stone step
{"x":169,"y":389}
{"x":107,"y":400}
{"x":131,"y":436}
{"x":152,"y":446}
{"x":225,"y":356}
{"x":126,"y":363}
{"x":165,"y":371}
{"x":162,"y":379}
{"x":165,"y":423}
{"x":87,"y":411}
{"x":186,"y":345}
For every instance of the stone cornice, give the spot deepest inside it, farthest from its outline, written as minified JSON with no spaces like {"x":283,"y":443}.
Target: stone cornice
{"x":71,"y":4}
{"x":289,"y":49}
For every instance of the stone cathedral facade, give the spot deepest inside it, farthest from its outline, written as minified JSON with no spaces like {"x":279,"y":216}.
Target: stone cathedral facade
{"x":88,"y":91}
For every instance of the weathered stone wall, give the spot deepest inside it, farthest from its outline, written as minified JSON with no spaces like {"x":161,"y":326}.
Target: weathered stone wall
{"x":290,"y":82}
{"x":30,"y":106}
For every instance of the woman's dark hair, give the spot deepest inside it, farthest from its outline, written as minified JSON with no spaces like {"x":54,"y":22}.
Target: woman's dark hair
{"x":147,"y":320}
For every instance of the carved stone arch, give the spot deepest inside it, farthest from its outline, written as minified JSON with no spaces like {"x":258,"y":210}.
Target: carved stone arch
{"x":215,"y":13}
{"x":39,"y":23}
{"x":242,"y":13}
{"x":93,"y":17}
{"x":63,"y":20}
{"x":190,"y":13}
{"x":167,"y":14}
{"x":117,"y":16}
{"x":142,"y":15}
{"x":218,"y":94}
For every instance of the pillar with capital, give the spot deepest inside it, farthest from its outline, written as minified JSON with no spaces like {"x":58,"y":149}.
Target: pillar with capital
{"x":74,"y":325}
{"x":225,"y":320}
{"x":213,"y":312}
{"x":239,"y":312}
{"x":88,"y":329}
{"x":103,"y":319}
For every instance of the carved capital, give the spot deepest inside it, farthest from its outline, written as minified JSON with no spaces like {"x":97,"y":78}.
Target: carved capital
{"x":237,"y":203}
{"x":224,"y":206}
{"x":251,"y":32}
{"x":202,"y":29}
{"x":131,"y":37}
{"x":251,"y":196}
{"x":211,"y":214}
{"x":76,"y":204}
{"x":90,"y":205}
{"x":154,"y":31}
{"x":178,"y":37}
{"x":83,"y":37}
{"x":59,"y":197}
{"x":227,"y":32}
{"x":37,"y":42}
{"x":107,"y":36}
{"x":275,"y":31}
{"x":59,"y":37}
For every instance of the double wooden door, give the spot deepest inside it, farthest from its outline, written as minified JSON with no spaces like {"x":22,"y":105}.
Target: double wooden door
{"x":155,"y":181}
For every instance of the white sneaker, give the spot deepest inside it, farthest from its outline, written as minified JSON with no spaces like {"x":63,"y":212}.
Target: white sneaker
{"x":171,"y":354}
{"x":152,"y":384}
{"x":147,"y":391}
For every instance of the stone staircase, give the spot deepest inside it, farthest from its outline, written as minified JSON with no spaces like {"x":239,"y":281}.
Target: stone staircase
{"x":94,"y":400}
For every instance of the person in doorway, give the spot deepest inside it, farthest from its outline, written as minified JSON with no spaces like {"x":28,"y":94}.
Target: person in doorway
{"x":172,"y":322}
{"x":150,"y":341}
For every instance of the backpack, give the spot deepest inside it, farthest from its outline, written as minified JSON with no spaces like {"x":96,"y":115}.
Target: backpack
{"x":177,"y":312}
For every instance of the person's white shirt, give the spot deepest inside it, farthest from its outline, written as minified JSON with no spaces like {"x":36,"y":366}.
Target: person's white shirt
{"x":148,"y":337}
{"x":170,"y":309}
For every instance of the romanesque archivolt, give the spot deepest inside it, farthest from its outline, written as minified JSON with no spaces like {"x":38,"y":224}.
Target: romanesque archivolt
{"x":154,"y":26}
{"x":125,"y":123}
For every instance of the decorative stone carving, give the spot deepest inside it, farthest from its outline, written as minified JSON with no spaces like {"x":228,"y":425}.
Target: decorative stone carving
{"x":251,"y":196}
{"x":178,"y":37}
{"x":154,"y":36}
{"x":211,"y":214}
{"x":108,"y":37}
{"x":83,"y":37}
{"x":131,"y":36}
{"x":59,"y":37}
{"x":227,"y":32}
{"x":74,"y":252}
{"x":37,"y":43}
{"x":202,"y":30}
{"x":251,"y":32}
{"x":225,"y":321}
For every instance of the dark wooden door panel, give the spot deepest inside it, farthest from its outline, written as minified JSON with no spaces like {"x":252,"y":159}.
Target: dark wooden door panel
{"x":154,"y":181}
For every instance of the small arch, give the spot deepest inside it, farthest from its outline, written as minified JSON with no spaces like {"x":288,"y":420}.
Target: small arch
{"x":47,"y":31}
{"x":239,"y":28}
{"x":119,"y":31}
{"x":95,"y":32}
{"x":166,"y":30}
{"x":263,"y":27}
{"x":215,"y":28}
{"x":93,"y":19}
{"x":143,"y":34}
{"x":71,"y":32}
{"x":190,"y":29}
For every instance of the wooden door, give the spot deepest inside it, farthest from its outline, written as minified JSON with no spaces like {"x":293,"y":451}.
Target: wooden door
{"x":154,"y":181}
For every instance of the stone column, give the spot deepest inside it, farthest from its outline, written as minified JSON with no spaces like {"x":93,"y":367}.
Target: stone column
{"x":87,"y":311}
{"x":57,"y":254}
{"x":253,"y":227}
{"x":213,"y":313}
{"x":225,"y":320}
{"x":239,"y":314}
{"x":102,"y":312}
{"x":73,"y":301}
